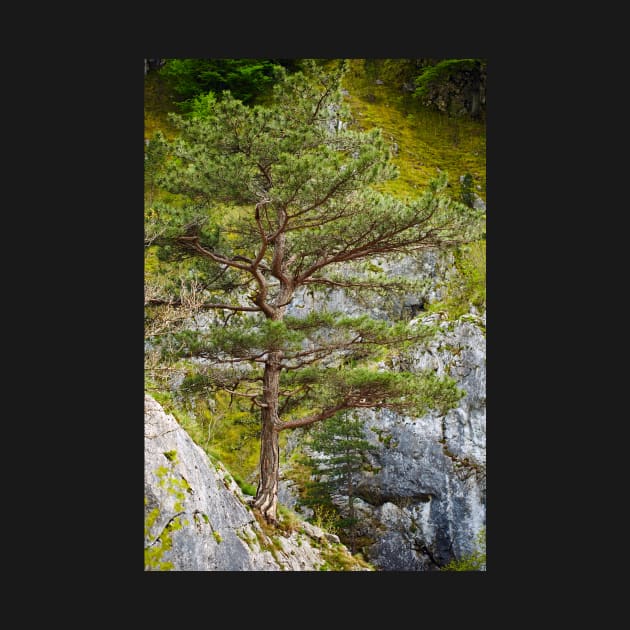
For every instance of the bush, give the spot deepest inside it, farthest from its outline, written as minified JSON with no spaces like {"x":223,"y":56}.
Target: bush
{"x":476,"y":561}
{"x":246,"y":79}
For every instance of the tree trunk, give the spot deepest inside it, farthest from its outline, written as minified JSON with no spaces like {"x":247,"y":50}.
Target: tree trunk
{"x":267,"y":493}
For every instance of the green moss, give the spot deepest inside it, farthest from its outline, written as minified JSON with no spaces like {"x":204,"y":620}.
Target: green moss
{"x":467,"y":284}
{"x":427,"y":140}
{"x":384,"y":438}
{"x":217,"y":537}
{"x":155,"y":549}
{"x":171,"y":456}
{"x":158,"y":102}
{"x":227,"y":433}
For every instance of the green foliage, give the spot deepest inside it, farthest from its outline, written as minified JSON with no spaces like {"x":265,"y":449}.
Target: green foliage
{"x":231,"y":434}
{"x":244,"y":78}
{"x":288,"y":520}
{"x":336,"y":558}
{"x":247,"y":488}
{"x":341,"y":439}
{"x":226,"y":429}
{"x":391,"y":71}
{"x":339,"y":452}
{"x":154,"y":158}
{"x":217,"y":537}
{"x":368,"y":387}
{"x":467,"y":195}
{"x":476,"y":561}
{"x":325,"y":516}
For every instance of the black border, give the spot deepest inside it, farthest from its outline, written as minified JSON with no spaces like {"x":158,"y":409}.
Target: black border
{"x":109,"y":169}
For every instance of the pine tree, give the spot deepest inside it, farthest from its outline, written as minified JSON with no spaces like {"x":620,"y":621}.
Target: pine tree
{"x":285,"y":197}
{"x":341,"y":452}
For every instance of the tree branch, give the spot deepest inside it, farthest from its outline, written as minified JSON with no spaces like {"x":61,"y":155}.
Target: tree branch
{"x":263,"y":236}
{"x":253,"y":397}
{"x":302,"y":422}
{"x":193,"y":243}
{"x":158,"y":301}
{"x":348,"y":284}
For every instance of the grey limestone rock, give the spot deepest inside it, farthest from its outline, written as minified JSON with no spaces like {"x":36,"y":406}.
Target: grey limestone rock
{"x":218,"y":529}
{"x":425,"y":504}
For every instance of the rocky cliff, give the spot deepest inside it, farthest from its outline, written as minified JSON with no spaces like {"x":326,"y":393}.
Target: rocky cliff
{"x":426,"y":504}
{"x":197,"y":519}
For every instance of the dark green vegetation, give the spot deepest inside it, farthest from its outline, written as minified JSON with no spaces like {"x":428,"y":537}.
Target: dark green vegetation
{"x":456,"y":86}
{"x":341,"y":452}
{"x":246,"y":203}
{"x":248,"y":80}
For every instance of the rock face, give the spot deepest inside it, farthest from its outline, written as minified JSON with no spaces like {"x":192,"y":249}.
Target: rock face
{"x":460,"y":91}
{"x":196,"y":507}
{"x":426,"y":504}
{"x":430,"y":266}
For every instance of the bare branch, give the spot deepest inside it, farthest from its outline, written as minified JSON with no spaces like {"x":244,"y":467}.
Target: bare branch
{"x":253,"y":397}
{"x":193,"y":243}
{"x":204,"y":305}
{"x":349,"y":283}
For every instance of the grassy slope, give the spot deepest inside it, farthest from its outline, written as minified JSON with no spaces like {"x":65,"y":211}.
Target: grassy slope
{"x":427,"y":140}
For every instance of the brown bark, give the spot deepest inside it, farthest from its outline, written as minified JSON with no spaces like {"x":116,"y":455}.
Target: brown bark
{"x":267,"y":493}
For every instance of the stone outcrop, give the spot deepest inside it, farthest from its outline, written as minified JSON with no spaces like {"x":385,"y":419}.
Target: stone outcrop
{"x":198,"y":516}
{"x":425,"y":505}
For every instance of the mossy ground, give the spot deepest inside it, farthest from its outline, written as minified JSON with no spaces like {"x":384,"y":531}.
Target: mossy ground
{"x":427,"y":140}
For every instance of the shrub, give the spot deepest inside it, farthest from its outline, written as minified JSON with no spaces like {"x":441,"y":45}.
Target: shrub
{"x":476,"y":561}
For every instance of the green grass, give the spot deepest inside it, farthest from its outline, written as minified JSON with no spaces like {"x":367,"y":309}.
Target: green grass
{"x":288,"y":520}
{"x":337,"y":558}
{"x":427,"y":139}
